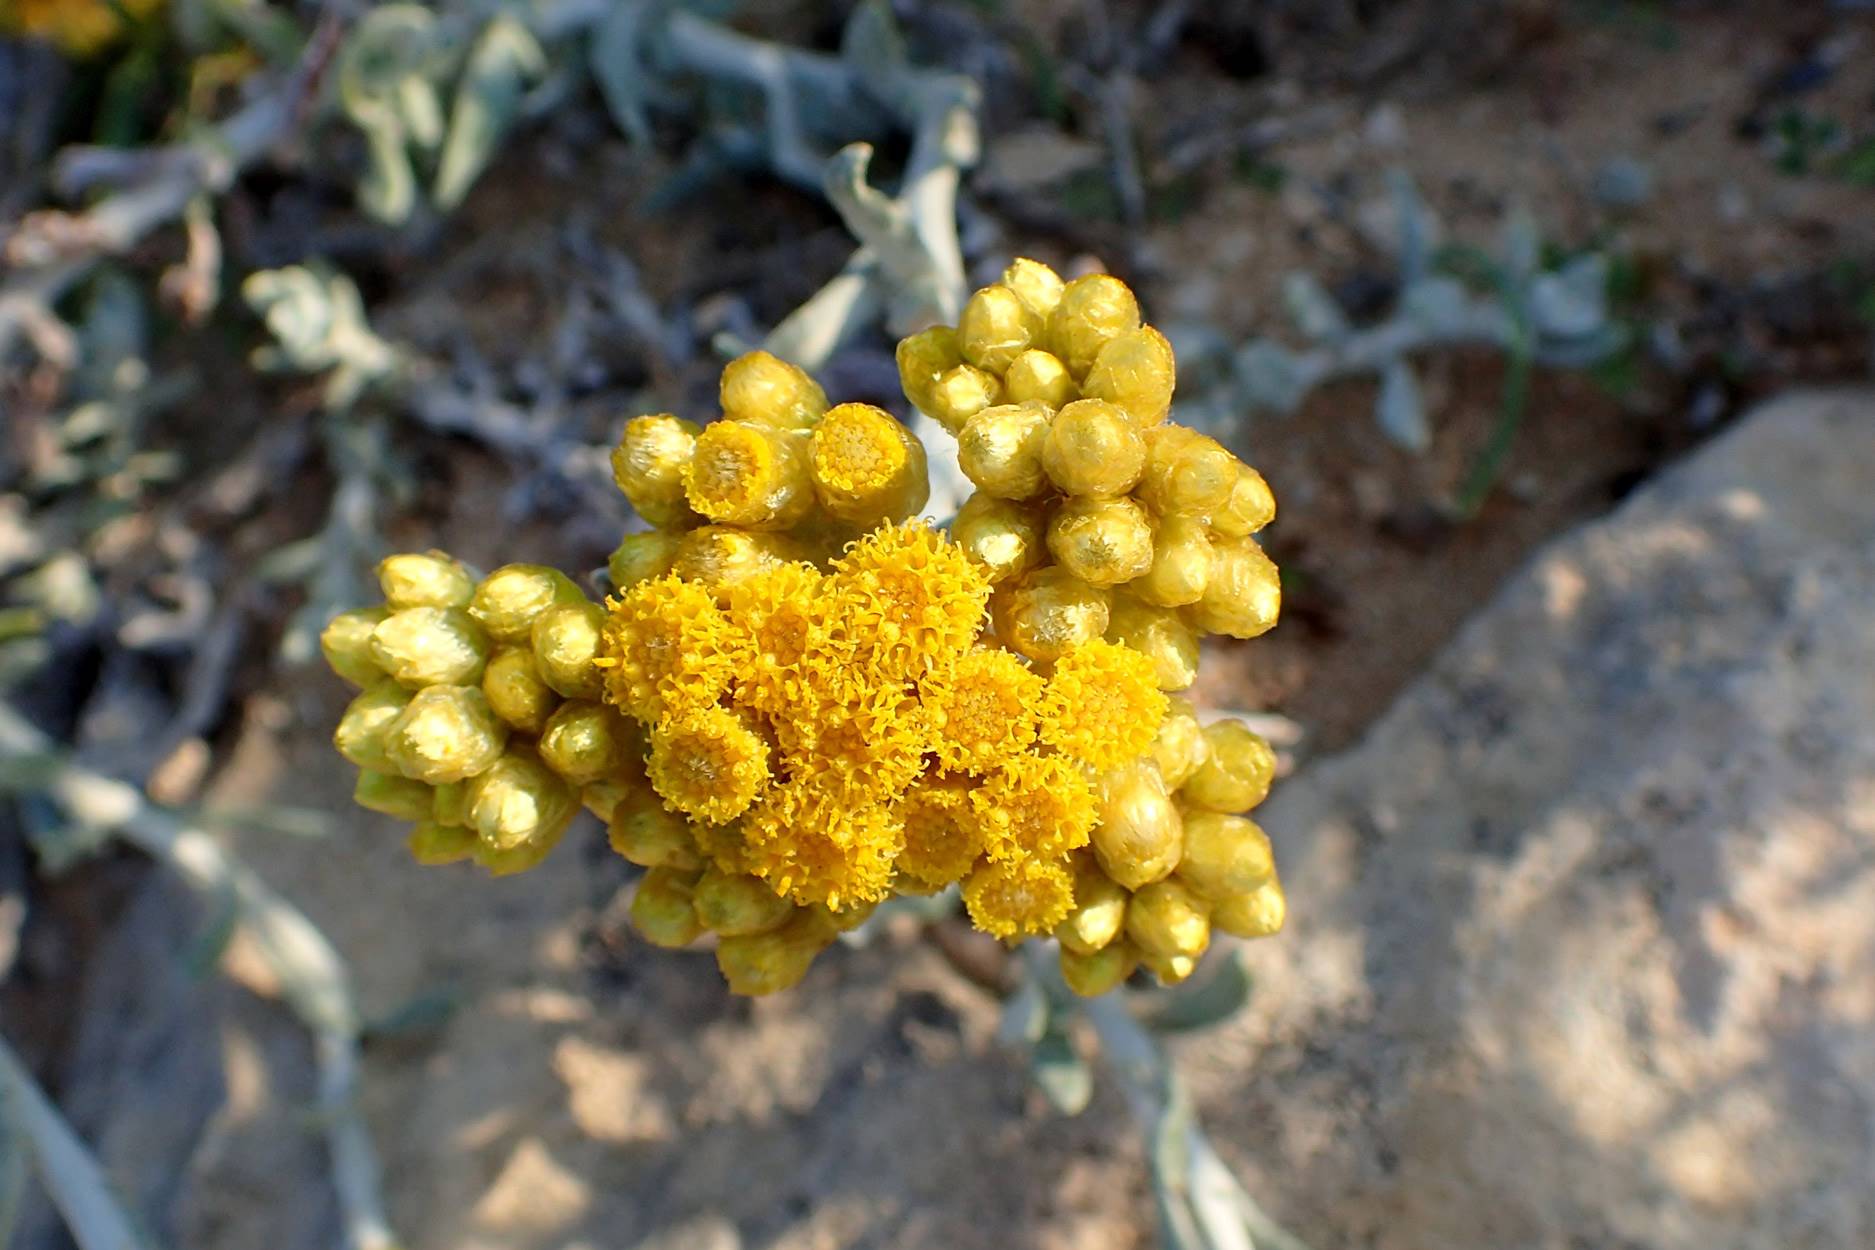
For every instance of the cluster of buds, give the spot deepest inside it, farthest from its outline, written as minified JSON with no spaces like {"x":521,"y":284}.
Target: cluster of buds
{"x":801,"y":699}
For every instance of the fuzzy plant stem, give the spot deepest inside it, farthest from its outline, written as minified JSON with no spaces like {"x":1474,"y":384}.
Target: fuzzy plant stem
{"x":313,"y":979}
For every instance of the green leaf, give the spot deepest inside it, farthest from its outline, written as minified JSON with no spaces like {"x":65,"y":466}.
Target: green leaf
{"x":1063,"y":1076}
{"x":1204,"y":1003}
{"x":487,"y":104}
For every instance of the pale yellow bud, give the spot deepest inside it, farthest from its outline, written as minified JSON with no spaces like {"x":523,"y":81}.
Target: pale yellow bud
{"x":1180,"y":746}
{"x":648,"y":465}
{"x":1000,"y":449}
{"x":429,"y":580}
{"x":1093,"y":973}
{"x":392,"y":795}
{"x":1245,"y":594}
{"x":518,"y":801}
{"x":1168,"y":918}
{"x":588,"y":742}
{"x":565,"y":641}
{"x":1182,"y":560}
{"x":1258,"y":913}
{"x":767,"y":390}
{"x":1251,"y":506}
{"x":1237,"y":770}
{"x":1104,"y":542}
{"x":641,"y":557}
{"x":1035,"y":284}
{"x":1224,"y":855}
{"x":1047,"y":613}
{"x":1135,"y":372}
{"x":1038,"y":377}
{"x":961,"y":393}
{"x":736,"y":904}
{"x":445,"y":733}
{"x":767,"y":963}
{"x":867,"y":468}
{"x":361,"y":736}
{"x":750,"y":475}
{"x":433,"y":844}
{"x":1092,"y":312}
{"x":996,"y":327}
{"x":647,"y":833}
{"x":1187,"y":473}
{"x":430,"y":647}
{"x":1099,"y":911}
{"x":1159,"y":634}
{"x":1001,"y":535}
{"x":516,"y":692}
{"x":346,"y":644}
{"x":1139,"y":837}
{"x":663,"y":909}
{"x":510,"y":599}
{"x":1093,"y":449}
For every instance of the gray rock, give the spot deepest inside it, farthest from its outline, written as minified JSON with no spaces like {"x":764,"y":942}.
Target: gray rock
{"x":1582,"y":942}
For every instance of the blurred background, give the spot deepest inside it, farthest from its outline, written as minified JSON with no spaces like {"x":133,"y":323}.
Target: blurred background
{"x":1550,"y":322}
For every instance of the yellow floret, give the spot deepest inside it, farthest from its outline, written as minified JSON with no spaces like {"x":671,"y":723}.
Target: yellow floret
{"x":751,"y":475}
{"x":864,"y":751}
{"x":941,"y":840}
{"x":1019,"y":897}
{"x":1102,"y":705}
{"x":916,"y":598}
{"x":664,"y":649}
{"x":867,"y":467}
{"x":982,"y":709}
{"x":1034,"y":806}
{"x":814,"y":849}
{"x":779,"y":615}
{"x":707,"y":763}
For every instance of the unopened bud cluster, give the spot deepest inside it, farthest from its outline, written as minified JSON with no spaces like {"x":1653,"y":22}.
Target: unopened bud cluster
{"x":801,"y":700}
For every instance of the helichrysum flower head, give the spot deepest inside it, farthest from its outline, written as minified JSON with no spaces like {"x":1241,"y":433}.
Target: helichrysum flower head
{"x":707,"y":763}
{"x":1034,"y":807}
{"x":942,"y":840}
{"x":982,"y":709}
{"x":803,"y":700}
{"x":1019,"y":897}
{"x":867,"y":468}
{"x":664,"y":648}
{"x":1102,"y":705}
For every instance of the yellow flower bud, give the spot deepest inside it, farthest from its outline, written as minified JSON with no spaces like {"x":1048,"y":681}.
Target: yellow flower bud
{"x":648,"y":465}
{"x":1102,"y":541}
{"x":520,"y":858}
{"x":1187,"y":474}
{"x":1093,"y":311}
{"x":1224,"y":855}
{"x":736,"y":904}
{"x":1159,"y":634}
{"x":750,"y":475}
{"x":996,"y":327}
{"x":392,"y":795}
{"x":601,"y":798}
{"x":1245,"y":594}
{"x":663,"y":910}
{"x":1236,"y":773}
{"x":1169,"y":969}
{"x":1257,"y":913}
{"x":1035,"y":284}
{"x":649,"y":834}
{"x":511,"y":598}
{"x":516,"y":692}
{"x":362,"y":731}
{"x":867,"y":467}
{"x":588,"y":742}
{"x":1180,"y":746}
{"x":1093,"y":973}
{"x":518,"y":801}
{"x":1168,"y":918}
{"x":449,"y":803}
{"x":767,"y":963}
{"x":1004,"y":537}
{"x":1182,"y":560}
{"x":641,"y":557}
{"x":1134,"y":371}
{"x":565,"y":640}
{"x":1139,"y":836}
{"x":1099,"y":910}
{"x":445,"y":733}
{"x":440,"y":844}
{"x":720,"y":556}
{"x":346,"y":644}
{"x":961,"y":393}
{"x":1000,"y":449}
{"x":1093,"y":449}
{"x":1038,"y":377}
{"x":1251,"y":506}
{"x":1047,"y":613}
{"x":923,"y":358}
{"x":708,"y":762}
{"x":430,"y":647}
{"x":767,"y":390}
{"x":432,"y":579}
{"x":1018,"y":897}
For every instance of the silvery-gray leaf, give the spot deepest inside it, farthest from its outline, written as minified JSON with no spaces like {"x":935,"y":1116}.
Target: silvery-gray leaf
{"x":1063,"y":1076}
{"x":873,"y":44}
{"x":488,"y":100}
{"x":1522,"y":245}
{"x":1416,"y":229}
{"x":388,"y":191}
{"x":1270,"y":377}
{"x":1581,"y":353}
{"x":1400,"y":408}
{"x":1439,"y":303}
{"x":1312,"y":309}
{"x":391,"y":43}
{"x":619,"y":70}
{"x":1571,"y":302}
{"x":1623,"y":182}
{"x":1025,"y":1015}
{"x":421,"y":111}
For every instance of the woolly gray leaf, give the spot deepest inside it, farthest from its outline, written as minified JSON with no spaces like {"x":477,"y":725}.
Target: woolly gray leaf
{"x":1400,"y":409}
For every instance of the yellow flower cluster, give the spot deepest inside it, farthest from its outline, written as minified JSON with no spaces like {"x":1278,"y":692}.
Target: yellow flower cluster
{"x":802,"y":699}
